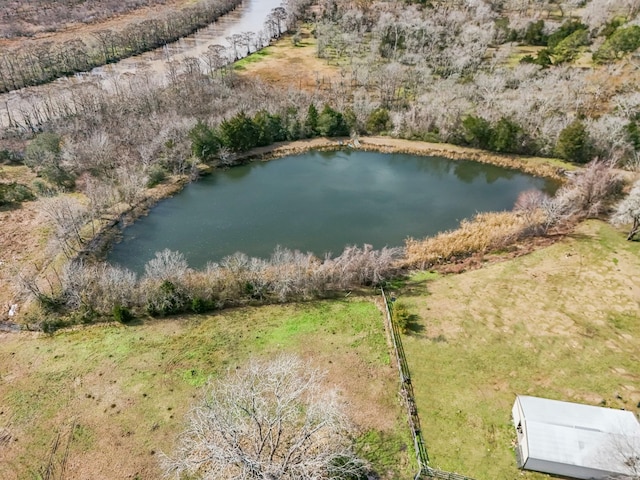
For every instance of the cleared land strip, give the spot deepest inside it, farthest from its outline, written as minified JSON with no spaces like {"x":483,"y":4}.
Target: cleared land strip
{"x":406,"y":391}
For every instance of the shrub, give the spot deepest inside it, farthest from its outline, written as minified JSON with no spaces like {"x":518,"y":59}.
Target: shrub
{"x":43,"y":156}
{"x":50,"y":326}
{"x":587,"y":194}
{"x":567,"y":28}
{"x":8,"y":156}
{"x":568,"y":48}
{"x":633,"y":134}
{"x":156,"y":176}
{"x":574,"y":144}
{"x":198,"y":305}
{"x":15,"y":193}
{"x":628,"y":211}
{"x":166,"y":299}
{"x":623,"y":40}
{"x":379,"y":121}
{"x":543,"y":58}
{"x":42,"y":149}
{"x":401,"y":316}
{"x":121,"y":314}
{"x":534,"y":34}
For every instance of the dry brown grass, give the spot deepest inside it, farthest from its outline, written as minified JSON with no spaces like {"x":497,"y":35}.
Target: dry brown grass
{"x":288,"y":65}
{"x":560,"y":323}
{"x":538,"y":166}
{"x":485,"y":232}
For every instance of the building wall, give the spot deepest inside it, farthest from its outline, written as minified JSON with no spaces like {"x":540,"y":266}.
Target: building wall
{"x":521,"y":429}
{"x":572,"y":471}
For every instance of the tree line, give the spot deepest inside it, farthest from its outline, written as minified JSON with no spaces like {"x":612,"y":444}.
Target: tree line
{"x":83,"y":292}
{"x":45,"y":61}
{"x":28,"y":17}
{"x":243,"y":132}
{"x":453,"y":72}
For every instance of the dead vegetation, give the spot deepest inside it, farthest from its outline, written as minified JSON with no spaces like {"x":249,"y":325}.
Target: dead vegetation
{"x":588,"y":193}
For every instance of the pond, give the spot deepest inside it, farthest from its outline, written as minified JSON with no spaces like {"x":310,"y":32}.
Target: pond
{"x":320,"y":202}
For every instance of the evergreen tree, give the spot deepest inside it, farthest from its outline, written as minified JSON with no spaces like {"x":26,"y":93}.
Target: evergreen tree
{"x":240,"y":133}
{"x":332,"y":123}
{"x":507,"y":137}
{"x":476,"y":132}
{"x":311,"y":123}
{"x":574,"y":143}
{"x":204,"y":141}
{"x":379,"y":121}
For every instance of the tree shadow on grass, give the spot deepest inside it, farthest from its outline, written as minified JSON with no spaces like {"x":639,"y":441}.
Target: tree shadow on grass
{"x":414,"y":325}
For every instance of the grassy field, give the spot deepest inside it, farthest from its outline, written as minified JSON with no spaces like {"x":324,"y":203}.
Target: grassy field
{"x":102,"y":402}
{"x":285,"y":64}
{"x":562,"y":323}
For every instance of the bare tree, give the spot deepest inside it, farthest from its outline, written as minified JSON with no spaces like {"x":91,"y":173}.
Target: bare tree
{"x":68,"y":216}
{"x":628,"y":211}
{"x":166,"y":265}
{"x":235,"y":41}
{"x":265,"y":421}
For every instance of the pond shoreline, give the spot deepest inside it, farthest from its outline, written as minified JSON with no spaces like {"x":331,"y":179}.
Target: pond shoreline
{"x":99,"y":246}
{"x":537,"y":166}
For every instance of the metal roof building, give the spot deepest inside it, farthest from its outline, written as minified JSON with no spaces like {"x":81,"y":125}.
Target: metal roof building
{"x":574,"y":440}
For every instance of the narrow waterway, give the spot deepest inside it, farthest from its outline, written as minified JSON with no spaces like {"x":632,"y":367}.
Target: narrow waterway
{"x":250,"y":16}
{"x":320,"y":202}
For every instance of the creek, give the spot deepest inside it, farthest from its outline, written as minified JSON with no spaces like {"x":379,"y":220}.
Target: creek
{"x":153,"y":66}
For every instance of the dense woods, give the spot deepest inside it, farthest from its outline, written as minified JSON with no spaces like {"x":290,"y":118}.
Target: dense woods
{"x":44,"y":61}
{"x":456,"y":72}
{"x":24,"y":18}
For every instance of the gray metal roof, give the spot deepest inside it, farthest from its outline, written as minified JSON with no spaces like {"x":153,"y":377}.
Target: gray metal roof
{"x":575,"y":434}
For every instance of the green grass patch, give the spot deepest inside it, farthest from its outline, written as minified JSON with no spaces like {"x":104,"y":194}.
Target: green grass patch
{"x":381,"y":450}
{"x":561,"y":323}
{"x":127,"y":388}
{"x":253,"y":58}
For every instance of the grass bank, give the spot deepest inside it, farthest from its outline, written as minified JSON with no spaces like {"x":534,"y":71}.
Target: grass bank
{"x":103,"y":402}
{"x":561,"y":323}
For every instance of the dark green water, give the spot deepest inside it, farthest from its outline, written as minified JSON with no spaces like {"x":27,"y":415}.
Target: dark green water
{"x":319,"y":202}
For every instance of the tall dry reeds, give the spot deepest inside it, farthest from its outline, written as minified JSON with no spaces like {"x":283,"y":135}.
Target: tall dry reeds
{"x":587,"y":193}
{"x":483,"y":233}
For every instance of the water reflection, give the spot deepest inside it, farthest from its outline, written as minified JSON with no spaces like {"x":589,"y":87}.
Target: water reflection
{"x":468,"y":172}
{"x":319,"y":202}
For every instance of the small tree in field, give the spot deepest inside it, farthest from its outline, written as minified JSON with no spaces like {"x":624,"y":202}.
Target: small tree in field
{"x":267,"y":421}
{"x":628,"y":211}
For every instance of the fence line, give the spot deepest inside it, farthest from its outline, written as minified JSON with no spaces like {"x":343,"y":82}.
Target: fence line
{"x":434,"y":473}
{"x":406,"y":391}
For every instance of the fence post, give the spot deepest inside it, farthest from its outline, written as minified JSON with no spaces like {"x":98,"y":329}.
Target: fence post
{"x":406,"y":391}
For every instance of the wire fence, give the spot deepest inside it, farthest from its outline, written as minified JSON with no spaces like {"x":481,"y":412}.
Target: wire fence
{"x":408,"y":397}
